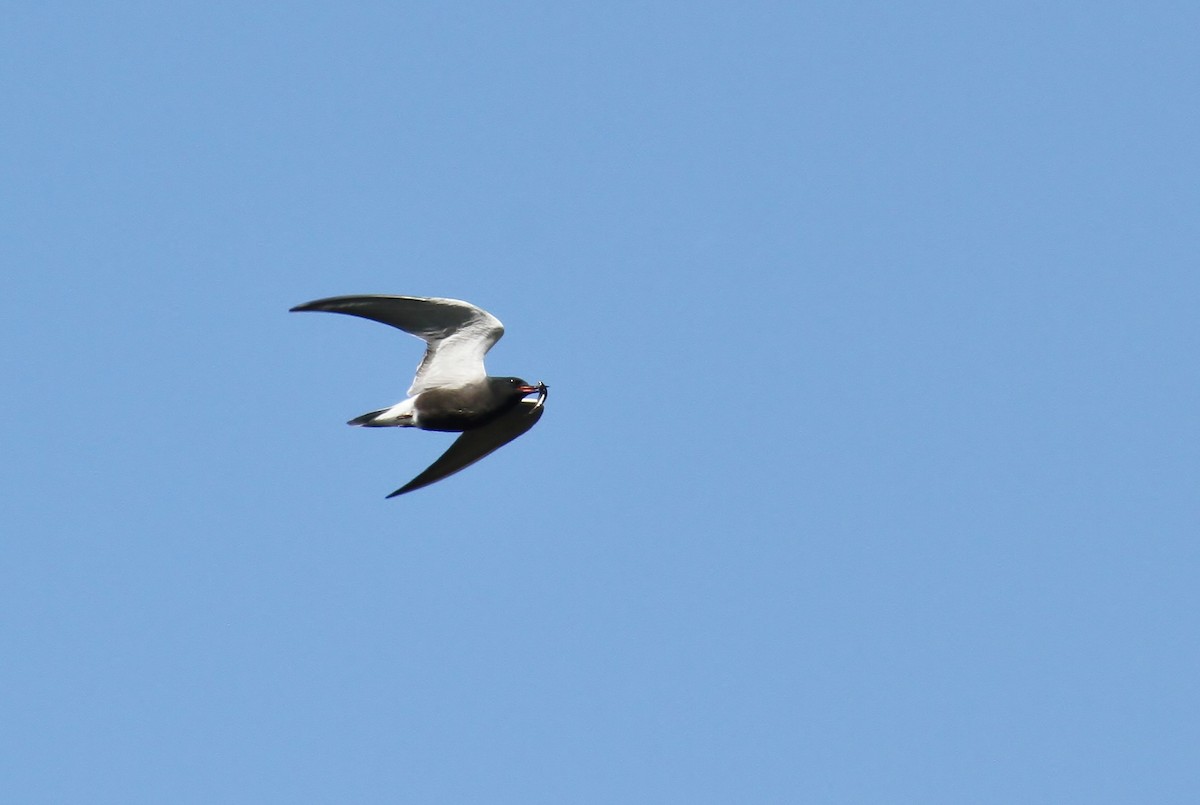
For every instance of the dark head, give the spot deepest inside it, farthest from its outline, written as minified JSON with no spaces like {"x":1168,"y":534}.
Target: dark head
{"x":513,"y":388}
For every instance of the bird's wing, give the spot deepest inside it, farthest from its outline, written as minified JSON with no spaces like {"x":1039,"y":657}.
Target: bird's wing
{"x":474,"y":444}
{"x":457,"y":334}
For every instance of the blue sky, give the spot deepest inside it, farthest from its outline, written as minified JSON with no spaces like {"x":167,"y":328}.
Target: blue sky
{"x":869,"y":471}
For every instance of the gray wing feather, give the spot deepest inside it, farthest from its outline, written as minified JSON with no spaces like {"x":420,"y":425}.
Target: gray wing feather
{"x":457,"y":333}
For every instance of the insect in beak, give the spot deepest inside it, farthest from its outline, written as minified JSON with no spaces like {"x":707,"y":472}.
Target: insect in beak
{"x":543,"y":391}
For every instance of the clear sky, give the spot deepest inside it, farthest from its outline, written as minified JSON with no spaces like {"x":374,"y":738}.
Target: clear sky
{"x":870,"y":467}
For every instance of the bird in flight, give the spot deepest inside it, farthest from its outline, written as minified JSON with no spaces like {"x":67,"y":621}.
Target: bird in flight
{"x":452,"y":391}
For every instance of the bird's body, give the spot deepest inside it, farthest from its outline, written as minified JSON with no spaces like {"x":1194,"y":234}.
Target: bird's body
{"x":451,"y":391}
{"x":453,"y":409}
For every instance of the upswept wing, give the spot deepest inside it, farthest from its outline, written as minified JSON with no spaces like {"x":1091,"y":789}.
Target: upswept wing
{"x":457,"y":334}
{"x":475,"y":444}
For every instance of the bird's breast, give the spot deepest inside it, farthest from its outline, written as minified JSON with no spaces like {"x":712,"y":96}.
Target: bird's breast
{"x":457,"y":409}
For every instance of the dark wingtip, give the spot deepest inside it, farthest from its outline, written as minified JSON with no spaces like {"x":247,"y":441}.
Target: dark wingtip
{"x":411,"y":486}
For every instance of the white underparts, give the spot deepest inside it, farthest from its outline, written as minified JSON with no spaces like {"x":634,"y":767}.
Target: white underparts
{"x":401,"y":415}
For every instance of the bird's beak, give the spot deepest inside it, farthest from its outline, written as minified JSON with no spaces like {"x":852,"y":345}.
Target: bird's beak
{"x":528,"y":389}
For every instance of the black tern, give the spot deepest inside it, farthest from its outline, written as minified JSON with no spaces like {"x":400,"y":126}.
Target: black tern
{"x":452,"y":391}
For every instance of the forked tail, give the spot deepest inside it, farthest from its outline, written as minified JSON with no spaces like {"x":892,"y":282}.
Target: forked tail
{"x":367,"y":420}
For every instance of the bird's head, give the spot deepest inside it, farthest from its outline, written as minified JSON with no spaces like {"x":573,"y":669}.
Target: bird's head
{"x":514,"y":388}
{"x":516,"y":385}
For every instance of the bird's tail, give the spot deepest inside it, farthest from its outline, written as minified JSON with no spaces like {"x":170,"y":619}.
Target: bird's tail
{"x":367,"y":420}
